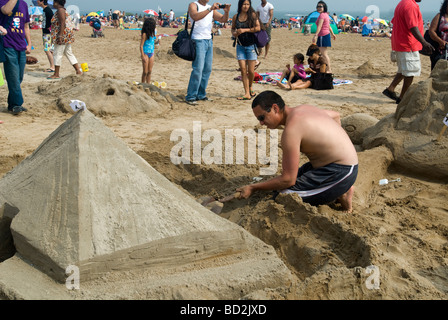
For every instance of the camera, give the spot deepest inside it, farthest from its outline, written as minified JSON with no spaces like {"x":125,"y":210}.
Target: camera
{"x":222,"y":6}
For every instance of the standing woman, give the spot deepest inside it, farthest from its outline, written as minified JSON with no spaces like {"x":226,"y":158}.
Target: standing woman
{"x":324,"y":32}
{"x":439,"y":32}
{"x":63,"y":37}
{"x":244,"y":24}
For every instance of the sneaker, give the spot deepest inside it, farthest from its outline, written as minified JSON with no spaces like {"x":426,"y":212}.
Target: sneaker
{"x":398,"y":100}
{"x":191,"y":102}
{"x":390,"y":94}
{"x":206,"y":99}
{"x":18,"y":109}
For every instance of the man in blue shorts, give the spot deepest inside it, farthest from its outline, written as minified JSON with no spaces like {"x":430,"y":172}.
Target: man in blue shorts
{"x":333,"y":162}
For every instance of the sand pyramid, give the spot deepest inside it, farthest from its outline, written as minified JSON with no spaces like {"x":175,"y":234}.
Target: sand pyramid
{"x":84,"y":198}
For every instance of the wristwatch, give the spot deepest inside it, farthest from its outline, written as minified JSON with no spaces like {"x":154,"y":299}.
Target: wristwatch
{"x":209,"y":9}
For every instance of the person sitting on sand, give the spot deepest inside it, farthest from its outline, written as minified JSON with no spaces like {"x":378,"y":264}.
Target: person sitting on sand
{"x":317,"y":64}
{"x":333,"y":162}
{"x":297,"y":73}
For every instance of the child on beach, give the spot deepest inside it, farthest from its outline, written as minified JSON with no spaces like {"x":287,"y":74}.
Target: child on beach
{"x":317,"y":64}
{"x":297,"y":73}
{"x":147,"y":42}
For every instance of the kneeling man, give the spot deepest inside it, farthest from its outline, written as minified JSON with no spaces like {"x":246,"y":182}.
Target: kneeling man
{"x":333,"y":162}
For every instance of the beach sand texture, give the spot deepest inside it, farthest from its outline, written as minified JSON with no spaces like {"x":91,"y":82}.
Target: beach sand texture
{"x":400,"y":228}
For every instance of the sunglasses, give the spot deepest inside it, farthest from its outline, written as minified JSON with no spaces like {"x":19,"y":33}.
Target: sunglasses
{"x":263,"y":116}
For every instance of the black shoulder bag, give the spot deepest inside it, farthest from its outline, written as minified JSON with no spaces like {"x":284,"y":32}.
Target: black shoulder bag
{"x":7,"y":26}
{"x":428,"y":39}
{"x":184,"y":46}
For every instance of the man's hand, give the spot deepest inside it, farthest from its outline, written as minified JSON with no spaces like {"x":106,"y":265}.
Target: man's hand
{"x":427,"y":47}
{"x":245,"y":192}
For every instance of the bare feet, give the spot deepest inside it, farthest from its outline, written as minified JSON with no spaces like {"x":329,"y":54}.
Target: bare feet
{"x":281,"y":85}
{"x":346,"y":200}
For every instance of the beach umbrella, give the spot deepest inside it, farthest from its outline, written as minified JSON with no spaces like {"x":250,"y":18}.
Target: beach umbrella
{"x":365,"y":19}
{"x":382,"y":21}
{"x":151,"y":12}
{"x":346,"y":16}
{"x":35,"y":11}
{"x":93,"y":14}
{"x":293,"y":19}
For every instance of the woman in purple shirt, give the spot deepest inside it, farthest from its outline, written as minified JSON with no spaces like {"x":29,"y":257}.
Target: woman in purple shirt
{"x":324,"y":32}
{"x":17,"y":43}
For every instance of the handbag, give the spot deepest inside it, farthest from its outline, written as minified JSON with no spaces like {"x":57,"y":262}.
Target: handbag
{"x":184,"y":46}
{"x":261,"y":38}
{"x":322,"y":81}
{"x":428,"y":39}
{"x":7,"y":26}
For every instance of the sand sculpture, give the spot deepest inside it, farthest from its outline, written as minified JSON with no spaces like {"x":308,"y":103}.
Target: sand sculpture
{"x":84,"y":198}
{"x":411,"y":133}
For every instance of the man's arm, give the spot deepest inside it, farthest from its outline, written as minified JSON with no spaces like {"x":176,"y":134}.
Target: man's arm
{"x":28,"y":38}
{"x":427,"y":47}
{"x":8,"y":7}
{"x":290,"y":167}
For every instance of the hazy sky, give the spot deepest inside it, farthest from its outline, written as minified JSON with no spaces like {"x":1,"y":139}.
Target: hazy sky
{"x":294,"y":6}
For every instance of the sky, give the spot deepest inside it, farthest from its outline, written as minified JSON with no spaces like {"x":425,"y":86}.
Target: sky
{"x":382,"y":7}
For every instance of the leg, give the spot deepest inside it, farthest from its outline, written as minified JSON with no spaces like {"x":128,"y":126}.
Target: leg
{"x":58,"y":52}
{"x":395,"y":82}
{"x":206,"y":72}
{"x":324,"y":52}
{"x":266,"y":50}
{"x":196,"y":73}
{"x":301,"y":85}
{"x":149,"y":70}
{"x":406,"y":84}
{"x":14,"y":76}
{"x":251,"y":74}
{"x":346,"y":200}
{"x":283,"y":86}
{"x":245,"y":77}
{"x":145,"y":65}
{"x":71,"y":57}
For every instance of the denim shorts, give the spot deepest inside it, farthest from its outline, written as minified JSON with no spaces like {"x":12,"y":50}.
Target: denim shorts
{"x":246,"y":53}
{"x":324,"y":41}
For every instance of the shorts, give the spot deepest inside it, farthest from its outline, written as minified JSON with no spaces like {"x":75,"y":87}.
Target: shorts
{"x":48,"y":43}
{"x":246,"y":53}
{"x":325,"y":184}
{"x":114,"y":16}
{"x":409,"y":63}
{"x":324,"y":41}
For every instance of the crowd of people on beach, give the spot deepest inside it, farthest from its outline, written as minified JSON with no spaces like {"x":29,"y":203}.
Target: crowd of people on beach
{"x":333,"y":154}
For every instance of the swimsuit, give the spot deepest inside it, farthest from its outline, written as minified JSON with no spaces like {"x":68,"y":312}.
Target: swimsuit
{"x":325,"y":184}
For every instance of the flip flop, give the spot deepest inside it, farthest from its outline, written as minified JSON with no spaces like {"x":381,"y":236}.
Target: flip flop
{"x":49,"y":70}
{"x":257,"y":65}
{"x":243,"y":98}
{"x":50,"y":78}
{"x":252,"y":93}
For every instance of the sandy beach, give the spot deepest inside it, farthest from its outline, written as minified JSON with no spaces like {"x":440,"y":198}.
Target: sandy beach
{"x":401,"y":228}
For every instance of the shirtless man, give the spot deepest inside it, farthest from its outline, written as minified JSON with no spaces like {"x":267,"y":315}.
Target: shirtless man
{"x":333,"y":162}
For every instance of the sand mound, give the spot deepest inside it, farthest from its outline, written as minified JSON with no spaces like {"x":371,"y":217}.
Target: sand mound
{"x":105,"y":96}
{"x":411,"y":131}
{"x":367,"y":70}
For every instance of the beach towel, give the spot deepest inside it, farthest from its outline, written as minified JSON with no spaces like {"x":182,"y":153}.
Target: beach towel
{"x":272,"y":77}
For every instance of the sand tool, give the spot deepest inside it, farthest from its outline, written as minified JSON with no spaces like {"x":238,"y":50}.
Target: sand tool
{"x":216,"y":205}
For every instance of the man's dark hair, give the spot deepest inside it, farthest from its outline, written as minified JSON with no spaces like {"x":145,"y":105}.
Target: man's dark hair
{"x":268,"y":98}
{"x":61,"y":2}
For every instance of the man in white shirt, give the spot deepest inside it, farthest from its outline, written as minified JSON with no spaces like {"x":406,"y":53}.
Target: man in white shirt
{"x":203,"y":16}
{"x":266,"y":13}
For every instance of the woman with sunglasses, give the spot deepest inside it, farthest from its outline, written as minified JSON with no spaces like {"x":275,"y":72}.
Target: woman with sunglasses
{"x":324,"y":32}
